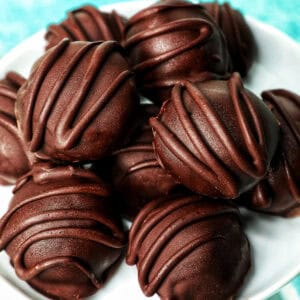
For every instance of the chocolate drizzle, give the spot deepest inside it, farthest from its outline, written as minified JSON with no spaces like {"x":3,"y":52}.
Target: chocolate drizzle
{"x":279,"y":192}
{"x":77,"y":116}
{"x":163,"y":223}
{"x":150,"y":163}
{"x":83,"y":213}
{"x":179,"y":25}
{"x":251,"y":160}
{"x":159,"y":68}
{"x":87,"y":23}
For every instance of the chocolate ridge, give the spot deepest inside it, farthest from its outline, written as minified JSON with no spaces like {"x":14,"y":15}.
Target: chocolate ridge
{"x":211,"y":168}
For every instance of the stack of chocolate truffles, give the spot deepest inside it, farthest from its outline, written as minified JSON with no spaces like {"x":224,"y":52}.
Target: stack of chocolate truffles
{"x":146,"y":120}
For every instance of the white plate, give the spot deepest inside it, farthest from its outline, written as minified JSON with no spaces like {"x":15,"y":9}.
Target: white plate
{"x":275,"y":241}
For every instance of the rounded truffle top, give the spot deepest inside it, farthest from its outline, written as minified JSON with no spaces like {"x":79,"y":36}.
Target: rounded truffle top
{"x":176,"y":241}
{"x":65,"y":109}
{"x":173,"y":41}
{"x":217,"y":137}
{"x":62,"y":232}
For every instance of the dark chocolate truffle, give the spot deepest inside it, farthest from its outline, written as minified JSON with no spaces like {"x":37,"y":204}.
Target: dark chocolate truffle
{"x":279,"y":192}
{"x":137,"y":176}
{"x":13,"y":160}
{"x":189,"y":247}
{"x":172,"y":41}
{"x":78,"y":101}
{"x":61,"y":231}
{"x":216,"y":137}
{"x":87,"y":23}
{"x":240,"y":40}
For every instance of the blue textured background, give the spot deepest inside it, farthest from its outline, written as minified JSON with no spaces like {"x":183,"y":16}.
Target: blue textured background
{"x":21,"y":18}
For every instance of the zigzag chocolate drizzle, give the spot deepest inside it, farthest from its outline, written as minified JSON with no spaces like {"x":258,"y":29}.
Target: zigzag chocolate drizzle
{"x":155,"y":65}
{"x":48,"y":222}
{"x":205,"y":161}
{"x":110,"y":26}
{"x":42,"y":70}
{"x":155,"y":214}
{"x":68,"y":132}
{"x":178,"y":25}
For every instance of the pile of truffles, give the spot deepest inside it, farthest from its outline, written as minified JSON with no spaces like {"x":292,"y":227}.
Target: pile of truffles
{"x":85,"y":153}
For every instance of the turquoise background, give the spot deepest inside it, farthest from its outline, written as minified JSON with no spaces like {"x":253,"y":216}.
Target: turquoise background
{"x":21,"y":18}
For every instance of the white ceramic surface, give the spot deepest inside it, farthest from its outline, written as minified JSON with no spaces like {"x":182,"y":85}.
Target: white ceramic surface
{"x":275,"y":241}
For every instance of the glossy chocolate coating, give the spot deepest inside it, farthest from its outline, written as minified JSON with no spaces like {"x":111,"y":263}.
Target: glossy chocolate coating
{"x":61,"y":231}
{"x":13,"y":160}
{"x":87,"y":23}
{"x":216,"y":137}
{"x":172,"y":41}
{"x":279,"y":192}
{"x":78,"y":101}
{"x":240,"y":40}
{"x":188,"y":247}
{"x":137,"y":176}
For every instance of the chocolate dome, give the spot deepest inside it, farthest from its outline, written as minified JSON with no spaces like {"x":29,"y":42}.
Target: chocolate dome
{"x":61,"y":231}
{"x":216,"y":137}
{"x":188,"y":247}
{"x":78,"y":101}
{"x":172,"y":41}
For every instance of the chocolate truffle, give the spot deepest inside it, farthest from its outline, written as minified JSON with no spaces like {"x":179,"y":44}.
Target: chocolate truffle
{"x":78,"y":101}
{"x":188,"y":247}
{"x":240,"y":40}
{"x":13,"y":160}
{"x":279,"y":192}
{"x":171,"y":41}
{"x":216,"y":137}
{"x":137,"y":176}
{"x":61,"y":231}
{"x":87,"y":23}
